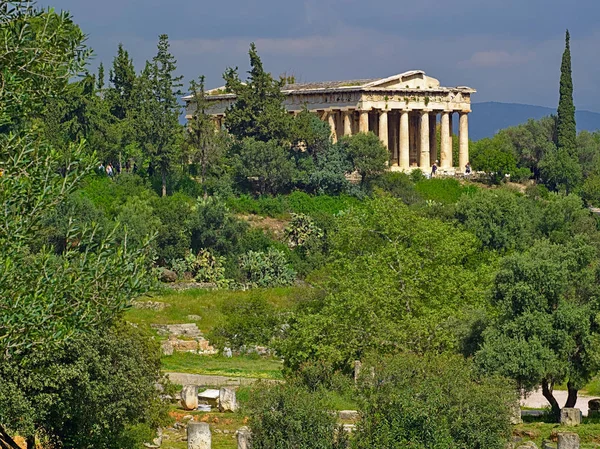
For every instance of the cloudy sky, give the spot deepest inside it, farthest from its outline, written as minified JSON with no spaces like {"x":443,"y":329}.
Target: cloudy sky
{"x":509,"y":50}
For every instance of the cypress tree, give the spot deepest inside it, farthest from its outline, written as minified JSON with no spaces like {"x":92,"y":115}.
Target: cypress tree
{"x":566,"y":130}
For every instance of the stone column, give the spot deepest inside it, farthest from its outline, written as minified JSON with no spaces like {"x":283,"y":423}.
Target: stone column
{"x":189,"y":397}
{"x":347,"y":123}
{"x":451,"y":128}
{"x":463,"y":153}
{"x":433,"y":137}
{"x":244,"y":438}
{"x":404,"y":141}
{"x":383,"y":128}
{"x":198,"y":435}
{"x":363,"y":124}
{"x":446,"y":142}
{"x":227,"y":400}
{"x":331,"y":120}
{"x":424,"y":162}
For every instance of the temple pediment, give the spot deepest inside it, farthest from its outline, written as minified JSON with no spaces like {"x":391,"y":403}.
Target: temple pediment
{"x":414,"y":79}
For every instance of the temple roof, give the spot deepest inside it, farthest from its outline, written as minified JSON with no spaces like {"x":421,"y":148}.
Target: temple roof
{"x":329,"y":84}
{"x":413,"y":79}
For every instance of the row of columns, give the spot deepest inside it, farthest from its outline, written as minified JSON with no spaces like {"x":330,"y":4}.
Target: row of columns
{"x":426,"y":141}
{"x":419,"y":133}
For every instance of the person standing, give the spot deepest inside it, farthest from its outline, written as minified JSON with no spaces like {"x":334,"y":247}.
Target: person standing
{"x":434,"y":169}
{"x":468,"y":168}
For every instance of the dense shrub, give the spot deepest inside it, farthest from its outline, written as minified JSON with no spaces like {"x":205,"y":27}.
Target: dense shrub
{"x":98,"y":391}
{"x":397,"y":184}
{"x":499,"y":218}
{"x":249,"y":321}
{"x":214,"y":227}
{"x":174,"y":235}
{"x":432,"y":402}
{"x":266,"y":269}
{"x":109,"y":194}
{"x":302,"y":232}
{"x":443,"y":190}
{"x":289,"y":416}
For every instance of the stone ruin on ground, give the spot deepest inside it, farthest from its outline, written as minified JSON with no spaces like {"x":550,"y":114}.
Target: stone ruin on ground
{"x":198,"y":435}
{"x":192,"y":339}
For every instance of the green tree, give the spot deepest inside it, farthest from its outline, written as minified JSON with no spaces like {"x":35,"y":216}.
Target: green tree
{"x":547,"y":331}
{"x":258,"y":110}
{"x":559,"y":171}
{"x":73,"y":398}
{"x":456,"y":406}
{"x":157,"y":111}
{"x":396,"y":281}
{"x":120,"y":94}
{"x":287,"y":415}
{"x":48,"y":298}
{"x":206,"y":145}
{"x":500,"y":219}
{"x":566,"y":130}
{"x":367,"y":154}
{"x":496,"y":161}
{"x":100,"y":78}
{"x":268,"y":165}
{"x":41,"y":50}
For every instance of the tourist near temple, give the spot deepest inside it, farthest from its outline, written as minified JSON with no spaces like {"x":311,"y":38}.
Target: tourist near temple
{"x":402,"y":110}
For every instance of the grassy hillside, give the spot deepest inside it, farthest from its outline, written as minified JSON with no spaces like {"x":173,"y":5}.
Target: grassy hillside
{"x":206,"y":308}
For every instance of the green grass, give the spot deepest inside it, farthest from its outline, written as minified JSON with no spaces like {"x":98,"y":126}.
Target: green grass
{"x":205,"y":303}
{"x":443,"y":190}
{"x":208,"y":305}
{"x":280,"y":206}
{"x":589,"y":432}
{"x":237,"y":366}
{"x":593,"y":388}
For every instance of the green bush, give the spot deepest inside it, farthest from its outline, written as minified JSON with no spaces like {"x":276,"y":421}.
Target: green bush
{"x":398,"y":185}
{"x":432,"y":402}
{"x":206,"y":267}
{"x":112,"y":371}
{"x":110,"y":194}
{"x":248,"y":321}
{"x":174,"y":235}
{"x":289,"y":416}
{"x":214,"y":227}
{"x":266,"y":269}
{"x":500,"y":219}
{"x":443,"y":190}
{"x":302,"y":232}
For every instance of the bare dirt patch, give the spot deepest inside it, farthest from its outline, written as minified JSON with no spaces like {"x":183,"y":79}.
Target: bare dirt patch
{"x":274,"y":226}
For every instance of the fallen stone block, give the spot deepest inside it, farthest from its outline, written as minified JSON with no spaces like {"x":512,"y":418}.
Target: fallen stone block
{"x":198,"y":436}
{"x":570,"y":416}
{"x":568,"y":440}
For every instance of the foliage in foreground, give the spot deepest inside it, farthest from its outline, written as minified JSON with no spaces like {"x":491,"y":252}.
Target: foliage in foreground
{"x":288,"y":415}
{"x":548,"y":328}
{"x":397,"y":281}
{"x":98,"y":391}
{"x":432,"y":403}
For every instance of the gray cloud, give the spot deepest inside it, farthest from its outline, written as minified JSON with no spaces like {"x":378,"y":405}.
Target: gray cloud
{"x":509,"y":51}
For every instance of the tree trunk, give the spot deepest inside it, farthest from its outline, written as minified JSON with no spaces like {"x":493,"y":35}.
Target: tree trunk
{"x":203,"y":178}
{"x":164,"y":182}
{"x":572,"y":397}
{"x":547,"y":392}
{"x":6,"y":442}
{"x":31,"y":442}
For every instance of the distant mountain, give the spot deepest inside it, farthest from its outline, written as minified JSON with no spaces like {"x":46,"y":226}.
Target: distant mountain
{"x":490,"y":117}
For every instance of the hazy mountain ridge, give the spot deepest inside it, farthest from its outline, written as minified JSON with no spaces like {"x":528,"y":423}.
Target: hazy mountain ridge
{"x":488,"y":118}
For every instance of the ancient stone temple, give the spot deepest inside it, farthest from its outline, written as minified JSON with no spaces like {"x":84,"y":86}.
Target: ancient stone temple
{"x":403,"y":110}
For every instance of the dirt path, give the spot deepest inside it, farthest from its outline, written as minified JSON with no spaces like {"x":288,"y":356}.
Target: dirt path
{"x":537,"y":400}
{"x":207,"y":380}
